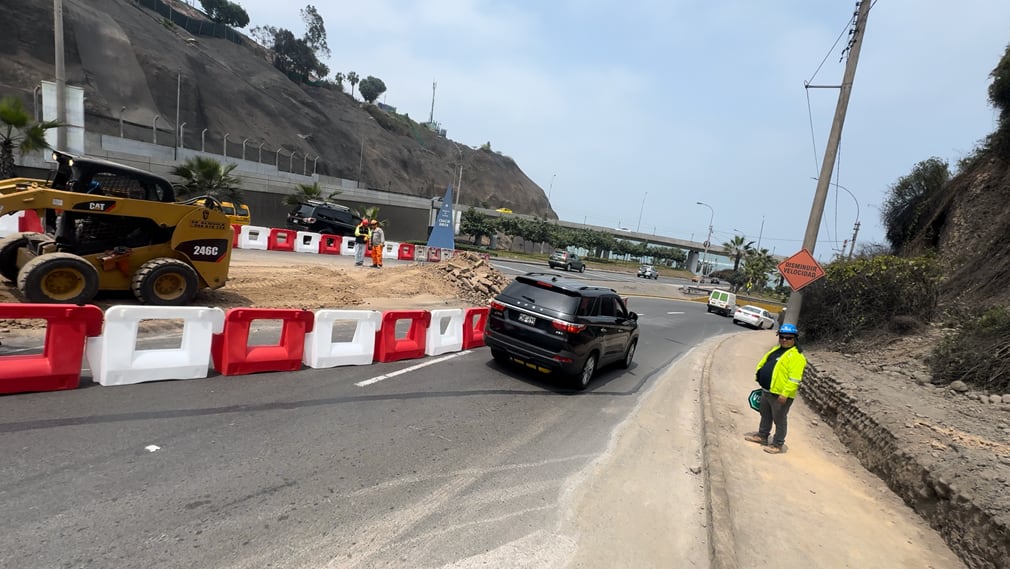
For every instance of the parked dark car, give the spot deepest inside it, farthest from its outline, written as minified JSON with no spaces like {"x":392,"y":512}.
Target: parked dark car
{"x":322,"y":217}
{"x":555,"y":324}
{"x":561,"y":259}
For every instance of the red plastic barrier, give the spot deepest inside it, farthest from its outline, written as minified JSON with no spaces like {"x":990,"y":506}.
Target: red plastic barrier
{"x":237,"y":230}
{"x":30,"y":222}
{"x":434,"y":254}
{"x":232,"y":354}
{"x":406,"y":252}
{"x":329,"y":244}
{"x":389,"y":348}
{"x":474,"y":320}
{"x":281,"y":239}
{"x":59,"y":364}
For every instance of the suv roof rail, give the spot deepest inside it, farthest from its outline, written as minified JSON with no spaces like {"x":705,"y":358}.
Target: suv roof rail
{"x":313,"y":201}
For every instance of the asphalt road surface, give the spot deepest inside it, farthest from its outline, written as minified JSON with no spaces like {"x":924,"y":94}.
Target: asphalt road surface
{"x":445,"y":461}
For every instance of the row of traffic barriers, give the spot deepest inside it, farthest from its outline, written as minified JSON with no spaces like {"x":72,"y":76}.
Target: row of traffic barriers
{"x":277,"y":239}
{"x":212,"y":336}
{"x":274,"y":239}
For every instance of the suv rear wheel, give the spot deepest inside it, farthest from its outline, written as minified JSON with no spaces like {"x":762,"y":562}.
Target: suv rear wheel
{"x":583,"y":378}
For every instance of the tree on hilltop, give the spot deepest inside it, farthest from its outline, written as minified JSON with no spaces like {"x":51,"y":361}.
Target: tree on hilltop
{"x":370,"y":88}
{"x":298,"y":58}
{"x":225,"y":12}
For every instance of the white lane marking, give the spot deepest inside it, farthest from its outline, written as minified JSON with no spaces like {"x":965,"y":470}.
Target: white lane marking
{"x":152,"y":448}
{"x":674,"y":312}
{"x":379,"y":378}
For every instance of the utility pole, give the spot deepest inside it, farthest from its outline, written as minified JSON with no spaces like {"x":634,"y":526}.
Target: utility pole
{"x":831,"y":152}
{"x":61,"y":77}
{"x":852,"y":246}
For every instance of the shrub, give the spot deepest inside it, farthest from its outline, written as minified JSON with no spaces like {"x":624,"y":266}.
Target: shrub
{"x":977,"y":353}
{"x":860,"y":296}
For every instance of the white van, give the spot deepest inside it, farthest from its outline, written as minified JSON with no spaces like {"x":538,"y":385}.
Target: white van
{"x":722,"y":302}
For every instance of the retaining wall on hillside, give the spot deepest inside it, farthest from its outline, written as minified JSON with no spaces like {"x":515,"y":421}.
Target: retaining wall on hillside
{"x":976,"y":534}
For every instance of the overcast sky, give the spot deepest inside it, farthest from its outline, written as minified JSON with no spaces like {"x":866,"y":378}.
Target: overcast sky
{"x":628,"y":113}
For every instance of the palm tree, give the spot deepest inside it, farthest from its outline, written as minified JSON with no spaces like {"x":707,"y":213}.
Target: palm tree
{"x":737,"y":248}
{"x":206,"y":176}
{"x":757,"y":266}
{"x":353,"y":79}
{"x":305,"y":192}
{"x":17,"y":130}
{"x":371,"y":212}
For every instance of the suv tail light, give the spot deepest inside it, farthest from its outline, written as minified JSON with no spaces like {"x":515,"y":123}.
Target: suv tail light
{"x":497,"y":306}
{"x":568,"y":327}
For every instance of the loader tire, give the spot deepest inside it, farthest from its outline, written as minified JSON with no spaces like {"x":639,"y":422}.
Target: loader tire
{"x":9,"y":253}
{"x":165,"y":282}
{"x":60,"y":278}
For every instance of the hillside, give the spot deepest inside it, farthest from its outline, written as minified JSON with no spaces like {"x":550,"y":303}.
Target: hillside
{"x":128,"y":57}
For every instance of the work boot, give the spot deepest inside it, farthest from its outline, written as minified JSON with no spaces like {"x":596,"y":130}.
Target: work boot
{"x":775,"y":449}
{"x":755,"y":438}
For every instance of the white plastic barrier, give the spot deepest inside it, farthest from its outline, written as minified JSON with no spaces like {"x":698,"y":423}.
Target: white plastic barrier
{"x":391,"y":250}
{"x":447,"y":254}
{"x":307,"y":242}
{"x":115,"y":360}
{"x":10,"y":223}
{"x":322,"y":352}
{"x":347,"y":246}
{"x":436,"y":342}
{"x":253,"y":237}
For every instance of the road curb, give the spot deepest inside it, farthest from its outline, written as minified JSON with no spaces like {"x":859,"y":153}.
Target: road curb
{"x":721,"y":542}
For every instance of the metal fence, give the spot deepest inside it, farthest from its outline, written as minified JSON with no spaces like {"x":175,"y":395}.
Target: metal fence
{"x":192,"y":25}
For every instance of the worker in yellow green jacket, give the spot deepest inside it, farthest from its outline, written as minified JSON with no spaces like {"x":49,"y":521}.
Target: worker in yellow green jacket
{"x":779,"y":374}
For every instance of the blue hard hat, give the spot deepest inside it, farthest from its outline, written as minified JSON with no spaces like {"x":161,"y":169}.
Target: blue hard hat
{"x":788,"y":329}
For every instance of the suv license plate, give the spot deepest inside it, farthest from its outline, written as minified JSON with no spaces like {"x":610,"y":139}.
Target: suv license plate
{"x":527,"y":319}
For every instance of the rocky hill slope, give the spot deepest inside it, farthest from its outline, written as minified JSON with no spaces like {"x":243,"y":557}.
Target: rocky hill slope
{"x":132,"y":62}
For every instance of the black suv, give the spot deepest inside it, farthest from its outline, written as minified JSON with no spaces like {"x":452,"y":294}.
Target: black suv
{"x":555,"y":324}
{"x":322,"y":217}
{"x":561,"y":259}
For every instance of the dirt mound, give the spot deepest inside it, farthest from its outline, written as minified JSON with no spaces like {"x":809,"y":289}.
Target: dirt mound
{"x":461,"y":282}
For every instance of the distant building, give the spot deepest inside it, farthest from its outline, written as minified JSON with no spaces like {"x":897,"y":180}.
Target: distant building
{"x":385,"y":107}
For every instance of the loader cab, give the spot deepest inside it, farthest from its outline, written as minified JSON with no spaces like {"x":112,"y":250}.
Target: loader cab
{"x":93,"y":175}
{"x":86,"y":233}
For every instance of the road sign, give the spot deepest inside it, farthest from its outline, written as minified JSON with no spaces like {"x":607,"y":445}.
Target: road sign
{"x":801,"y":269}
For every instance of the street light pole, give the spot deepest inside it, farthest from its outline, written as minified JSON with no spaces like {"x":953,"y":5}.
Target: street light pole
{"x":551,"y":187}
{"x":61,"y":77}
{"x":708,"y":240}
{"x":638,"y":228}
{"x":855,"y":231}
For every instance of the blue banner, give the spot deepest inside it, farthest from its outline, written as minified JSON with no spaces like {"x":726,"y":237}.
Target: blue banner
{"x":442,"y":234}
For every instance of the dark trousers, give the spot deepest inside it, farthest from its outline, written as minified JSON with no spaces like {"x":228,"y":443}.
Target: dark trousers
{"x":774,"y":412}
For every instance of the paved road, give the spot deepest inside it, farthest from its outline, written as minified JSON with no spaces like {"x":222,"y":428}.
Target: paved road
{"x":457,"y":463}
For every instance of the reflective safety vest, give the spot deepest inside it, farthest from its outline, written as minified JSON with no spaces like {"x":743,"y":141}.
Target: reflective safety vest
{"x":788,"y":371}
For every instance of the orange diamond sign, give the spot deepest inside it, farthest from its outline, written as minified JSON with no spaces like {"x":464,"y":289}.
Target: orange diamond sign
{"x":801,"y":269}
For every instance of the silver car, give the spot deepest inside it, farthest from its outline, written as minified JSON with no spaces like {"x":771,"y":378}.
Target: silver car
{"x":648,"y":272}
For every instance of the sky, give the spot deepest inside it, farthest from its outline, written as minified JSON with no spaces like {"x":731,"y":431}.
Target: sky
{"x":627,"y":114}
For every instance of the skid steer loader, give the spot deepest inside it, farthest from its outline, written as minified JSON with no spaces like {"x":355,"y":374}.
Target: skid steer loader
{"x":110,"y":227}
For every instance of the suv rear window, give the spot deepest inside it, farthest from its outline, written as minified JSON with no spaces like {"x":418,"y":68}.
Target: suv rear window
{"x":544,"y":296}
{"x":303,"y":210}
